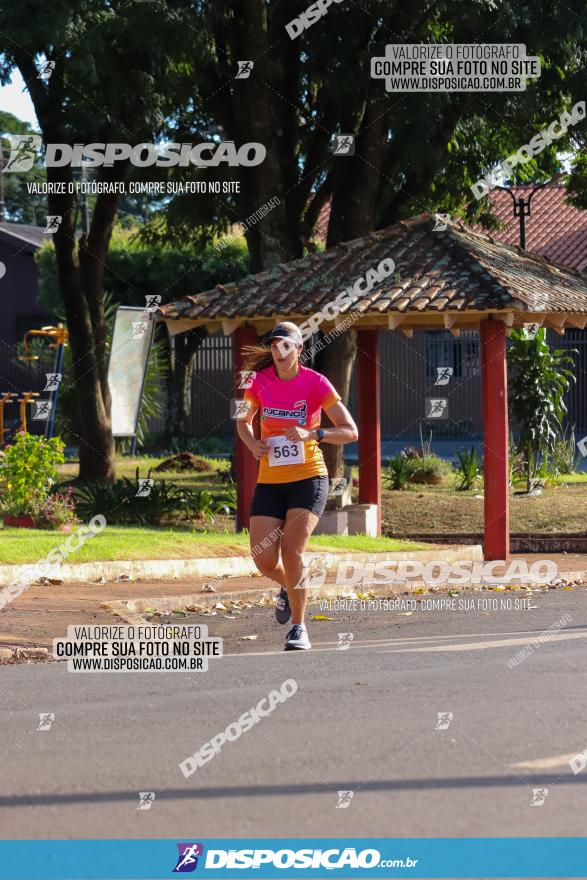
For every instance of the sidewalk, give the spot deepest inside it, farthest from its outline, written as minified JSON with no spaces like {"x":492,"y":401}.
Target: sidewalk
{"x":44,"y":612}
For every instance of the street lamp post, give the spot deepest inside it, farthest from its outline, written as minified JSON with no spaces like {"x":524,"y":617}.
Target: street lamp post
{"x":522,"y":208}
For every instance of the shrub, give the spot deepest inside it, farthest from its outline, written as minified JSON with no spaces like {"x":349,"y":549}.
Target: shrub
{"x":398,"y":472}
{"x":564,"y":455}
{"x":27,"y":473}
{"x":429,"y":469}
{"x":470,"y":468}
{"x":123,"y":503}
{"x":58,"y":510}
{"x":516,"y":462}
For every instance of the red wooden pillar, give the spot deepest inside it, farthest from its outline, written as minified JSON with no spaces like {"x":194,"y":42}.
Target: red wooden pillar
{"x":369,"y":420}
{"x":246,"y":465}
{"x":496,"y":542}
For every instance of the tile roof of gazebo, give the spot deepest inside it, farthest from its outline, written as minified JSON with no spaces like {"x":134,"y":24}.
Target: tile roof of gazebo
{"x":451,"y":278}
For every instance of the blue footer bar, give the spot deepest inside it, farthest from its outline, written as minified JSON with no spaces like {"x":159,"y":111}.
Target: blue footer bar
{"x":522,"y":857}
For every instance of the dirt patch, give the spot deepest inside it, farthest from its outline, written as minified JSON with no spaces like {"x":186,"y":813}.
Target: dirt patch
{"x":183,"y":461}
{"x":432,"y":510}
{"x":19,"y":656}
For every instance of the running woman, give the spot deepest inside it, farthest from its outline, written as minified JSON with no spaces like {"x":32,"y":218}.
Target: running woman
{"x":292,"y":486}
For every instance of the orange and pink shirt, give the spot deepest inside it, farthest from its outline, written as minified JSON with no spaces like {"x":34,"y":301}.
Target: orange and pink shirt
{"x":284,"y":404}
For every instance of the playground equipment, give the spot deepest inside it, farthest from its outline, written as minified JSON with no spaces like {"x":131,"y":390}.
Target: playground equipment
{"x":4,"y":399}
{"x":58,"y":340}
{"x":59,"y":336}
{"x":27,"y":397}
{"x":10,"y":397}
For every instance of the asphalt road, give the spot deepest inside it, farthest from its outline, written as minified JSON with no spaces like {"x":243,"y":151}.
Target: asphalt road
{"x":363,"y":719}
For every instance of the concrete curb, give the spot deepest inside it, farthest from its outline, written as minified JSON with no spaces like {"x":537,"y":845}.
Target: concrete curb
{"x":7,"y":651}
{"x":132,"y":610}
{"x":159,"y":569}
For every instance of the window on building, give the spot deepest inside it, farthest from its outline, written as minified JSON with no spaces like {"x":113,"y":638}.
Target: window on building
{"x":459,"y":352}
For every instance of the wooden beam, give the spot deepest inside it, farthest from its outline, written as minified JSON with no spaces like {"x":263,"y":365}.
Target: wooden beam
{"x":506,"y":317}
{"x":450,"y":319}
{"x":578,"y":321}
{"x":455,"y":331}
{"x":181,"y":325}
{"x":394,"y":319}
{"x":229,"y":326}
{"x":407,"y":331}
{"x":557,"y":323}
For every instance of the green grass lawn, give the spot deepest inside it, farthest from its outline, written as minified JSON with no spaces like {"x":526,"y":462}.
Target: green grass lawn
{"x":430,"y":510}
{"x":131,"y":543}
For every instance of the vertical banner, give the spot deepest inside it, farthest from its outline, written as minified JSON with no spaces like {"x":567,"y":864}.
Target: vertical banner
{"x":129,"y":355}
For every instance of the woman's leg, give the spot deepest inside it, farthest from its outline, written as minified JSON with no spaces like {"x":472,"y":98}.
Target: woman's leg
{"x":265,"y":534}
{"x":299,"y":525}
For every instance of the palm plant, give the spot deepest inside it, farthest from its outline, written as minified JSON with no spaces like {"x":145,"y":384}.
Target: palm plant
{"x":398,"y":472}
{"x":540,"y":378}
{"x":469,"y":469}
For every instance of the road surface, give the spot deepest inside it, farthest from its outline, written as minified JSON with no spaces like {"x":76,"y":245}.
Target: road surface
{"x":363,"y":720}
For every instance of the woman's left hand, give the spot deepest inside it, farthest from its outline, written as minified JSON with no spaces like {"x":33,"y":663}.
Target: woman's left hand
{"x":298,"y":433}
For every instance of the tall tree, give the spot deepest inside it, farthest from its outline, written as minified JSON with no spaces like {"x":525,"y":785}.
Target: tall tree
{"x":107,"y":81}
{"x":413,"y":151}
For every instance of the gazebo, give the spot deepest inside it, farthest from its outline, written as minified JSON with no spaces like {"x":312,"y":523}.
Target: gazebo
{"x":446,"y":278}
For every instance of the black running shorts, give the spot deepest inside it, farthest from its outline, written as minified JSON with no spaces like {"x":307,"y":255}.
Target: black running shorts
{"x":275,"y":499}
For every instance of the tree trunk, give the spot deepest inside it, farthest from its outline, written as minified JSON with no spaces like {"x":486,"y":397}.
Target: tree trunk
{"x":180,"y":384}
{"x":271,"y":240}
{"x":353,"y":215}
{"x":81,"y":275}
{"x":336,"y":362}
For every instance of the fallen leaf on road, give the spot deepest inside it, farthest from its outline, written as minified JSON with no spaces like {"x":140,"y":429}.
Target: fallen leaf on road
{"x":209,"y":613}
{"x":405,"y":613}
{"x":321,"y":617}
{"x":220,"y":606}
{"x":209,"y":588}
{"x":248,"y":638}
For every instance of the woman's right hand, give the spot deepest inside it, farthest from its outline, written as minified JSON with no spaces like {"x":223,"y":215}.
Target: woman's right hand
{"x":259,"y":448}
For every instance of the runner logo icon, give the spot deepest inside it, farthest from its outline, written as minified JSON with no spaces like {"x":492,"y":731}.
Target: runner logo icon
{"x":187,"y":859}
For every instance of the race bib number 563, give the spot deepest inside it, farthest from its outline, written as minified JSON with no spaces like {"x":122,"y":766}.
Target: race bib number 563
{"x":283,"y":451}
